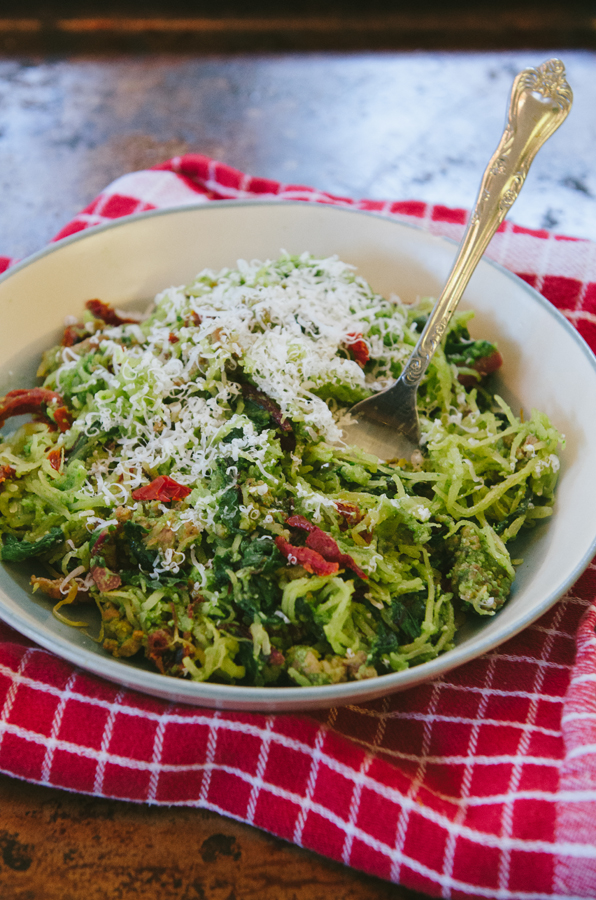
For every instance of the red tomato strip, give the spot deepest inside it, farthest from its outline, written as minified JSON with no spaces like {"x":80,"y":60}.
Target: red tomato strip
{"x":322,"y":543}
{"x":488,"y":364}
{"x":28,"y":400}
{"x":301,"y":522}
{"x":55,"y":459}
{"x":6,"y":472}
{"x":73,"y":334}
{"x":106,"y":313}
{"x":351,"y":514}
{"x":326,"y":546}
{"x":358,"y":347}
{"x":312,"y":561}
{"x":276,"y":657}
{"x":162,"y":488}
{"x":104,"y":579}
{"x":484,"y":366}
{"x":62,"y":418}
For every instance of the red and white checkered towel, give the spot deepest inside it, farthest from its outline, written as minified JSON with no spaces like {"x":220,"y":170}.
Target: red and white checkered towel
{"x":479,"y":784}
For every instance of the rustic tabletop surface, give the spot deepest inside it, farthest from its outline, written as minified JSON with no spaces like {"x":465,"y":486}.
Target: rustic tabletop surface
{"x":60,"y":846}
{"x":384,"y":125}
{"x":391,"y":124}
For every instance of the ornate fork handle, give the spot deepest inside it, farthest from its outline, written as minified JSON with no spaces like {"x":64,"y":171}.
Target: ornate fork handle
{"x":540,"y":102}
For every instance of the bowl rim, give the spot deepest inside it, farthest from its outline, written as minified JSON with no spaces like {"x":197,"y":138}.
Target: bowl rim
{"x":239,"y":696}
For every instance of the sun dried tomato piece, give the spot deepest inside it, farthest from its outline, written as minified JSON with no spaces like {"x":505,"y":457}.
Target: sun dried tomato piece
{"x":74,"y":334}
{"x":312,"y":561}
{"x":62,"y":418}
{"x":321,"y":542}
{"x":358,"y":348}
{"x":107,"y":313}
{"x":350,"y":513}
{"x":55,"y":459}
{"x":327,"y":547}
{"x":158,"y":643}
{"x":487,"y":364}
{"x":162,"y":488}
{"x":6,"y":472}
{"x":276,"y":657}
{"x":300,"y":522}
{"x":173,"y":338}
{"x":27,"y":400}
{"x":195,"y":319}
{"x":324,"y":544}
{"x":104,"y":579}
{"x":484,"y":366}
{"x":265,"y":402}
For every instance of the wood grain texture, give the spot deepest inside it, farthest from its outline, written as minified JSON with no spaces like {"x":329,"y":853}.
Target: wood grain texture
{"x":99,"y":26}
{"x":60,"y":846}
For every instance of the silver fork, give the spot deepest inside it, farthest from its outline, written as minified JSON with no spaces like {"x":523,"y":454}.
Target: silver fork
{"x":387,"y":423}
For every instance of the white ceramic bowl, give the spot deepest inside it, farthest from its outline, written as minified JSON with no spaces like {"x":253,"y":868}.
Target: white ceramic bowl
{"x":547,"y":365}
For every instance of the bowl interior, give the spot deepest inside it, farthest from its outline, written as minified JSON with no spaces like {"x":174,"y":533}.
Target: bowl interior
{"x":547,"y":366}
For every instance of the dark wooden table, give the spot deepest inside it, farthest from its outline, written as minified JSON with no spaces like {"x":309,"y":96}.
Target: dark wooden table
{"x":380,"y":125}
{"x":60,"y":846}
{"x":413,"y":124}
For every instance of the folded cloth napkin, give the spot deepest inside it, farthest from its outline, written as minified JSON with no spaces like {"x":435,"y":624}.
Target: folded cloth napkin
{"x":481,"y":783}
